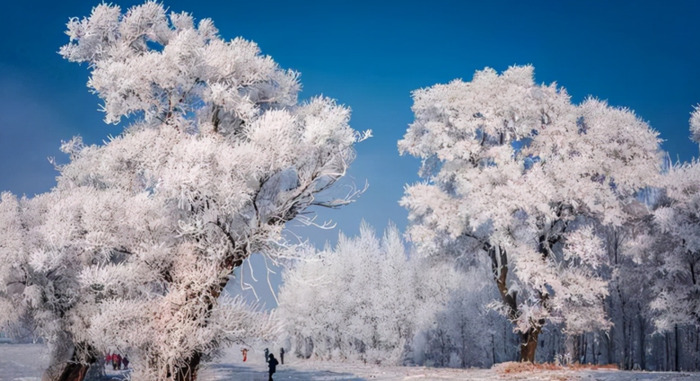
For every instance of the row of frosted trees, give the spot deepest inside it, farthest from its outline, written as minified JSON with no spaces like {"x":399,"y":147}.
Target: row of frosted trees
{"x":371,"y":300}
{"x":133,"y":247}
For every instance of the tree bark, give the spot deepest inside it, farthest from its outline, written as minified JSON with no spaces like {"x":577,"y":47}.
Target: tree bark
{"x":528,"y":344}
{"x":676,"y":356}
{"x":189,"y":371}
{"x":74,"y":372}
{"x":499,"y":266}
{"x":642,"y":341}
{"x":66,"y":364}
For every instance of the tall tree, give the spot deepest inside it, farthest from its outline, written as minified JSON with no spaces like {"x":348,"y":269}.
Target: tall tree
{"x":217,"y":156}
{"x":520,"y":170}
{"x":678,"y":243}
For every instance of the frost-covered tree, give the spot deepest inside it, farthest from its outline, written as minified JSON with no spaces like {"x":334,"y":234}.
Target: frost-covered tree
{"x":466,"y":332}
{"x":678,"y":223}
{"x":62,"y":234}
{"x":522,"y":173}
{"x":363,"y":299}
{"x":630,"y":271}
{"x":217,"y":156}
{"x":13,"y":255}
{"x":39,"y":275}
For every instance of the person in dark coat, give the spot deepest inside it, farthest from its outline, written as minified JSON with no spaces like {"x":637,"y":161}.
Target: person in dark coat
{"x":125,"y":361}
{"x":282,"y":356}
{"x":272,"y":363}
{"x":267,"y":353}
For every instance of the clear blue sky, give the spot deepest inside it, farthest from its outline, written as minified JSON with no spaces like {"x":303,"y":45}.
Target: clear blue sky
{"x":370,"y":55}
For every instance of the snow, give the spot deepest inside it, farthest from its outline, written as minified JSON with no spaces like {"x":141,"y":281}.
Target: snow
{"x":231,"y":367}
{"x":22,"y":362}
{"x":25,"y":362}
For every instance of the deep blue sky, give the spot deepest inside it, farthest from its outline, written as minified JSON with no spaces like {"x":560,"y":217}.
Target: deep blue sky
{"x":370,"y":55}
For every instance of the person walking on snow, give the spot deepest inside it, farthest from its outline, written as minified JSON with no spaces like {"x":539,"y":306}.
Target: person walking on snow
{"x":282,"y":356}
{"x":267,"y":353}
{"x":272,"y":363}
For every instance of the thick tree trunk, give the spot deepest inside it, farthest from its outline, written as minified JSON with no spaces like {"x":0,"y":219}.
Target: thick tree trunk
{"x":528,"y":344}
{"x":74,"y":372}
{"x":499,"y":266}
{"x":66,"y":364}
{"x":189,"y":371}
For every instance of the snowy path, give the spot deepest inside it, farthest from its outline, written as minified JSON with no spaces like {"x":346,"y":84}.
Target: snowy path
{"x":226,"y":372}
{"x":350,"y":372}
{"x":232,"y":369}
{"x":25,"y":362}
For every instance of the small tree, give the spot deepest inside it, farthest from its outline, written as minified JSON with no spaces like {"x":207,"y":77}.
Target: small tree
{"x":521,"y":173}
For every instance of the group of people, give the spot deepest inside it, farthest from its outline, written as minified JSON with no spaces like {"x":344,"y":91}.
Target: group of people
{"x":117,"y":361}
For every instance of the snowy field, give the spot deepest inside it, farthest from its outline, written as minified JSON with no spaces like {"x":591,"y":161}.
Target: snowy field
{"x":25,"y":362}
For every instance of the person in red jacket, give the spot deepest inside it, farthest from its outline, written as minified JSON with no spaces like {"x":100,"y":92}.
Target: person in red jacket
{"x":108,"y":359}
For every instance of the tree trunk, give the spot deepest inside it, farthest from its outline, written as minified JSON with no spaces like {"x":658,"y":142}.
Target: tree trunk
{"x":493,"y":351}
{"x":74,"y":372}
{"x":66,"y":364}
{"x":499,"y":267}
{"x":668,"y":352}
{"x":676,"y":357}
{"x":528,"y":344}
{"x":642,"y":342}
{"x":188,"y":372}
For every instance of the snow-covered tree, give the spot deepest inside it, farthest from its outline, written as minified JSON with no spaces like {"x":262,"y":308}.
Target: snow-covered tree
{"x":217,"y":156}
{"x":466,"y":332}
{"x":522,"y":173}
{"x":38,"y":275}
{"x":363,"y":299}
{"x":678,"y":222}
{"x":13,"y":255}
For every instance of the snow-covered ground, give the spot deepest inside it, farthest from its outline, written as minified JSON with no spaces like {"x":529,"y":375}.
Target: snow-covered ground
{"x":25,"y":362}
